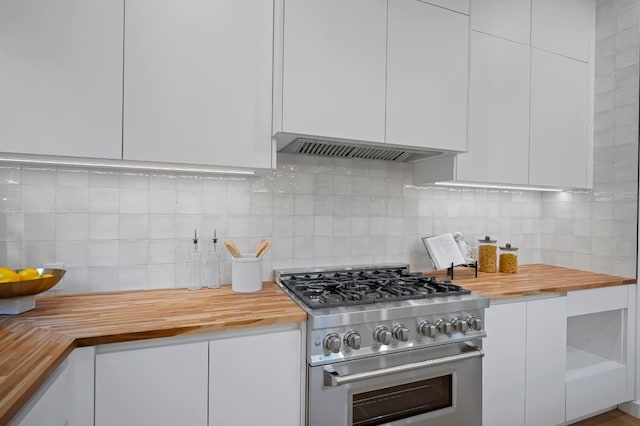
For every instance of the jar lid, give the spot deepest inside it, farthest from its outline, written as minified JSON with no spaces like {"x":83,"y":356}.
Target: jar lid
{"x":487,"y":240}
{"x":507,"y":247}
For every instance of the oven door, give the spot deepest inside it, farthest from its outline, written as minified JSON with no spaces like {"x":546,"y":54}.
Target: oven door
{"x":438,"y":386}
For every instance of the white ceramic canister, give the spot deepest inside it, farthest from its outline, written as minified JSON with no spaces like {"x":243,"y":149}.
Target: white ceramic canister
{"x":246,"y":273}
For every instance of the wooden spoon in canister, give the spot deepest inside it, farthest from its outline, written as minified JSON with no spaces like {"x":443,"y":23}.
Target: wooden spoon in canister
{"x":230,"y":245}
{"x":263,"y":247}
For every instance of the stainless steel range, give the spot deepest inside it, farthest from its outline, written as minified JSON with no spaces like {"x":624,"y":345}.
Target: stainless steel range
{"x":387,"y":346}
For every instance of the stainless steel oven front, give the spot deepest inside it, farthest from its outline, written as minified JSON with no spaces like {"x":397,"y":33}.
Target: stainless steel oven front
{"x":435,"y":386}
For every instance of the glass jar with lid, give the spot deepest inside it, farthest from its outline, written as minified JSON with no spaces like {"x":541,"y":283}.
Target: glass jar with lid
{"x":508,"y":259}
{"x":487,"y":255}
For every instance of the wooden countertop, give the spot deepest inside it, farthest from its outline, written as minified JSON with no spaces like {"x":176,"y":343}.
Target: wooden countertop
{"x":531,"y":280}
{"x":35,"y":343}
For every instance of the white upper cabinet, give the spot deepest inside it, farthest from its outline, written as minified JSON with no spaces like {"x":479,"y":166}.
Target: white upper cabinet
{"x":427,"y":75}
{"x":498,"y":149}
{"x":560,"y":153}
{"x":334,"y":68}
{"x":562,"y":27}
{"x":510,"y":19}
{"x":461,"y":6}
{"x":198,"y":82}
{"x":61,"y":77}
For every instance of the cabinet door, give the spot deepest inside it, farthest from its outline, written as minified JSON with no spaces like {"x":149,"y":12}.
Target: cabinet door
{"x":334,"y":68}
{"x":503,"y":369}
{"x":509,"y":19}
{"x":427,"y":73}
{"x":156,"y":386}
{"x":198,"y":82}
{"x":546,"y":361}
{"x":255,"y":380}
{"x":52,"y":404}
{"x":498,"y":148}
{"x":61,"y":77}
{"x":560,"y":149}
{"x":562,"y":27}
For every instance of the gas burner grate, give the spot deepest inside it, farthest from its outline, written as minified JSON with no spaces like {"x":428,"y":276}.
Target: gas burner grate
{"x":366,"y":287}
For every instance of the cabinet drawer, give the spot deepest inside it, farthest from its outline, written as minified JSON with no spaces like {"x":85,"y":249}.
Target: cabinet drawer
{"x":597,"y":300}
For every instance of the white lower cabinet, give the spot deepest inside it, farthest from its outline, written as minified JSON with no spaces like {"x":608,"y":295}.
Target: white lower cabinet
{"x":157,"y":385}
{"x":546,"y":362}
{"x":524,"y":366}
{"x":503,"y":367}
{"x":255,"y":380}
{"x":66,"y":398}
{"x":246,"y":377}
{"x":600,"y":345}
{"x":50,"y":406}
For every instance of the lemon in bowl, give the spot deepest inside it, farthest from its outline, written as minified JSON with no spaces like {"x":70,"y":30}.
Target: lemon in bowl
{"x":8,"y":275}
{"x":27,"y":282}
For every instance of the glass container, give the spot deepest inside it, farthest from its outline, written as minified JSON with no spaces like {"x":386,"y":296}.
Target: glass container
{"x":487,"y":254}
{"x":508,"y":259}
{"x":195,"y":281}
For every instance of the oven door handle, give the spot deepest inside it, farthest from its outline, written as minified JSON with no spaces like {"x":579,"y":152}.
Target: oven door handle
{"x":332,"y":377}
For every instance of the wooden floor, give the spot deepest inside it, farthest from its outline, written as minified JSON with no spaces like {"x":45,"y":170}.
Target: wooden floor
{"x":610,"y":418}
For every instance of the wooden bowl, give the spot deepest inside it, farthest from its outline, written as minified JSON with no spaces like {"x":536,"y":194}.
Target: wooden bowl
{"x":31,"y":287}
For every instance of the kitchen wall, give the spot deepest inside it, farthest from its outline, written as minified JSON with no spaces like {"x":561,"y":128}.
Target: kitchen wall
{"x":121,"y":230}
{"x":596,"y":230}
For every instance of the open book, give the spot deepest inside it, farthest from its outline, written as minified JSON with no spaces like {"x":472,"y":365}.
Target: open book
{"x":444,"y":251}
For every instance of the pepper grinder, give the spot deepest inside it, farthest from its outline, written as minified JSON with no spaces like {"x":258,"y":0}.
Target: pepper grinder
{"x":194,"y":264}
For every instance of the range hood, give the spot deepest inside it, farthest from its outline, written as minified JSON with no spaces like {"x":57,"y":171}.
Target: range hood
{"x":344,"y":148}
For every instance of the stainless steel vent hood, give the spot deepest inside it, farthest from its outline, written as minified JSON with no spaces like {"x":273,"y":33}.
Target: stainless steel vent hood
{"x":342,"y":148}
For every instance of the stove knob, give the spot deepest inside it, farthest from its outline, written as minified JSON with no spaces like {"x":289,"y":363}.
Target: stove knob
{"x":427,"y":329}
{"x":400,"y":332}
{"x":382,"y":335}
{"x":444,"y":327}
{"x":353,"y":340}
{"x":474,"y":323}
{"x":332,"y":343}
{"x":459,"y":325}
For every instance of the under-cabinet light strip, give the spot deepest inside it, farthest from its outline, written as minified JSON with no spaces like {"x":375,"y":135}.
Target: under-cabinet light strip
{"x":491,"y":186}
{"x":125,"y":166}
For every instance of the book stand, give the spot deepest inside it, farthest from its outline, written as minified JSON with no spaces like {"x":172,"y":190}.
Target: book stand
{"x":450,"y":269}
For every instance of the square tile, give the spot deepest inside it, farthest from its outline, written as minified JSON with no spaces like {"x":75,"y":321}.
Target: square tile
{"x":104,"y":200}
{"x":104,"y":226}
{"x":103,"y":278}
{"x":72,"y":199}
{"x":38,"y":199}
{"x":133,"y":252}
{"x":103,"y":253}
{"x":133,"y":277}
{"x":134,"y":226}
{"x":72,"y":227}
{"x":134,"y":201}
{"x":72,"y":177}
{"x":162,"y":201}
{"x":39,"y":227}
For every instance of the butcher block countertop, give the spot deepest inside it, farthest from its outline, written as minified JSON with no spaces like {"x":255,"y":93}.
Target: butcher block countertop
{"x":35,"y":343}
{"x":531,"y":280}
